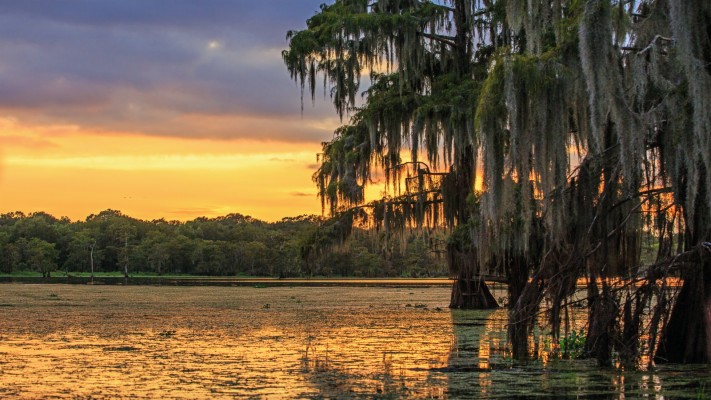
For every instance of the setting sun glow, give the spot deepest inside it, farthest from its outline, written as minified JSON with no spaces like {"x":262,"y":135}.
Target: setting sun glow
{"x":176,"y":114}
{"x":69,"y":172}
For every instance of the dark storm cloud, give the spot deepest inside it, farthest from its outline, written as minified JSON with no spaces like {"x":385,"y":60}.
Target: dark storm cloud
{"x":144,"y":66}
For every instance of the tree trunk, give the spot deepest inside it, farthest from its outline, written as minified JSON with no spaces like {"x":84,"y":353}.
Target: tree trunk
{"x":522,"y":317}
{"x":91,"y":260}
{"x":125,"y":265}
{"x":687,"y":336}
{"x":601,"y":322}
{"x":472,"y":294}
{"x":469,"y":290}
{"x":516,"y":278}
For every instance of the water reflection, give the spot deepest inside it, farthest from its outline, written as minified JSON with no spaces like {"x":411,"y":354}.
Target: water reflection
{"x":329,"y":342}
{"x":382,"y":352}
{"x":480,"y":366}
{"x":109,"y":342}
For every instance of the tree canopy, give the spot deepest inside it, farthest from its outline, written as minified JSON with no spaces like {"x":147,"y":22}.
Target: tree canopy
{"x":587,"y":122}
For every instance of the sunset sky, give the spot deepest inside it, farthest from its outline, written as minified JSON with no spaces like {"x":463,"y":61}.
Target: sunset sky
{"x":160,"y":109}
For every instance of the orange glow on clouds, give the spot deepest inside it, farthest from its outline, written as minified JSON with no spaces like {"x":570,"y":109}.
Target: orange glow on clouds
{"x":68,"y":171}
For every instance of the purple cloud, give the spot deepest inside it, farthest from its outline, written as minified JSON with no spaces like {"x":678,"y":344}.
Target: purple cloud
{"x":144,"y":65}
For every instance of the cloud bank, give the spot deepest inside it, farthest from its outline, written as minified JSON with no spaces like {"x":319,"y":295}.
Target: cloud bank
{"x":207,"y":69}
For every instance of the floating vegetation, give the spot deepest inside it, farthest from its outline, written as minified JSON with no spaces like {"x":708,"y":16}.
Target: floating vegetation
{"x":121,"y":348}
{"x":220,"y":345}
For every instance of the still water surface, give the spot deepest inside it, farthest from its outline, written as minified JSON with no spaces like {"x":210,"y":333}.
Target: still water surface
{"x":81,"y":341}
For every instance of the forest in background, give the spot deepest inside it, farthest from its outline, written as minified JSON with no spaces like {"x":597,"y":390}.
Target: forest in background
{"x":233,"y":245}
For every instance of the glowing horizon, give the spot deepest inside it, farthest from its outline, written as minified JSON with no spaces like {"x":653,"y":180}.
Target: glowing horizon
{"x":156,"y":177}
{"x":158,"y":112}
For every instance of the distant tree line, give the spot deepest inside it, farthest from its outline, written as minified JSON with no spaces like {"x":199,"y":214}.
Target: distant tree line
{"x":225,"y":246}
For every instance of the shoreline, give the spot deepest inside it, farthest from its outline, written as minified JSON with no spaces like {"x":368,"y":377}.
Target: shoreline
{"x":230,"y":281}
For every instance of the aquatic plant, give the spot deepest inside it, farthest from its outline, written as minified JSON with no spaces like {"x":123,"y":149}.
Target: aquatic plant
{"x":573,"y":344}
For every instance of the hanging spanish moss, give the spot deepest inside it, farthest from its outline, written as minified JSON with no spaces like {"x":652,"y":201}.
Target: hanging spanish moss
{"x":551,"y":139}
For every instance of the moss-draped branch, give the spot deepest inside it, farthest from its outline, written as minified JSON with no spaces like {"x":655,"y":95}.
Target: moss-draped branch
{"x":573,"y":112}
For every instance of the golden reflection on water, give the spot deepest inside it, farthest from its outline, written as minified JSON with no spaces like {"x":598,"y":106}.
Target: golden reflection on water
{"x":207,"y":342}
{"x":67,"y":341}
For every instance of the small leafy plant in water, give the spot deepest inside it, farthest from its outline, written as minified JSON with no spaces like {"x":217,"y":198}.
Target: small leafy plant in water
{"x":573,"y":344}
{"x":701,"y":392}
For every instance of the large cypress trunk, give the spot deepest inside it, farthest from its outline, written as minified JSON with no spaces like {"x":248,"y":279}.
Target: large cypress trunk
{"x":522,"y":317}
{"x":601,"y":322}
{"x":516,"y":278}
{"x":687,"y":336}
{"x":472,"y":294}
{"x":469,"y":290}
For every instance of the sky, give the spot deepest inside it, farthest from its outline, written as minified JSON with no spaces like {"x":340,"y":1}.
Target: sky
{"x":168,"y":109}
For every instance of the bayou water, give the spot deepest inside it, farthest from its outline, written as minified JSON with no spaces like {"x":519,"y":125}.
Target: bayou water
{"x":84,"y":341}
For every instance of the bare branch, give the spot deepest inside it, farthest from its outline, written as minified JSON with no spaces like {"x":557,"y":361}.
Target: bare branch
{"x":448,"y":40}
